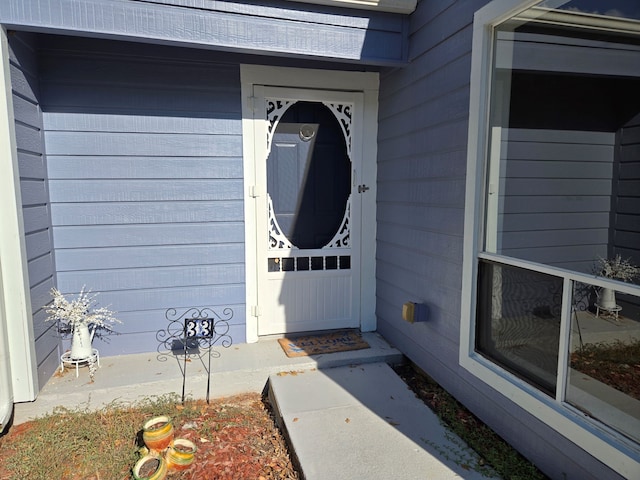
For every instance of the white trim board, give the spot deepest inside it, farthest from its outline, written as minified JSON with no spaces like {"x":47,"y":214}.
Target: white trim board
{"x":15,"y":277}
{"x":365,"y":82}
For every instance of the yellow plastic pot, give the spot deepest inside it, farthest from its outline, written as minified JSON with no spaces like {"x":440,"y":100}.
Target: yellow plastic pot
{"x":180,"y":454}
{"x":150,"y":467}
{"x":157,"y":433}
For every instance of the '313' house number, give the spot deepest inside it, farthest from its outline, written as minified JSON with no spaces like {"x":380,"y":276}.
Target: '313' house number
{"x":198,"y":327}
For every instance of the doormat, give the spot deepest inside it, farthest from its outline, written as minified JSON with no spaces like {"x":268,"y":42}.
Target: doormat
{"x":317,"y":344}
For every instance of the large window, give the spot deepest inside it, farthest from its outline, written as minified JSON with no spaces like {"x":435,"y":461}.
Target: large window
{"x":554,"y":214}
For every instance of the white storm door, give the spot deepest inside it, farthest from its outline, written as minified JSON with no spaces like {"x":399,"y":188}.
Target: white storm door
{"x":308,"y":203}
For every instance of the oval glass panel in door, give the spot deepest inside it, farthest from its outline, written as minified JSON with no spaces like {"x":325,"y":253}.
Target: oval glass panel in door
{"x":308,"y":176}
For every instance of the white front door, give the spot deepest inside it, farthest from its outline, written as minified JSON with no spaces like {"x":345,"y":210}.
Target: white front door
{"x":310,"y":147}
{"x":308,"y":209}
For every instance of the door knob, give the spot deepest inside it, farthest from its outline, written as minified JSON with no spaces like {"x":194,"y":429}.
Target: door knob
{"x":362,"y":188}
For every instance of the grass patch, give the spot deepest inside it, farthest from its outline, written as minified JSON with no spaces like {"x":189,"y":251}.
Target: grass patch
{"x":494,"y":451}
{"x":80,"y":444}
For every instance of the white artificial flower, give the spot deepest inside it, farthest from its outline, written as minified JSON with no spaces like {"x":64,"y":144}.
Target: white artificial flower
{"x":78,"y":311}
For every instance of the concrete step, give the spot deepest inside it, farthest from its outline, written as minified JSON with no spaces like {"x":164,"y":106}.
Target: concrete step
{"x":362,"y":422}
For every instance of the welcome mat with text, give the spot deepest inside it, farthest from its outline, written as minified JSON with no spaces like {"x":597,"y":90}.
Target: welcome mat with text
{"x":328,"y":343}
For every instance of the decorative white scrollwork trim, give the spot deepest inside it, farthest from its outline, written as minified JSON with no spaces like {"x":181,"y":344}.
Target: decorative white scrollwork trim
{"x":343,"y":112}
{"x":277,"y":239}
{"x":275,"y":110}
{"x":342,"y":238}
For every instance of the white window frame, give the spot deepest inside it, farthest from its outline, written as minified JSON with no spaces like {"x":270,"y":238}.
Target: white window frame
{"x":607,"y":445}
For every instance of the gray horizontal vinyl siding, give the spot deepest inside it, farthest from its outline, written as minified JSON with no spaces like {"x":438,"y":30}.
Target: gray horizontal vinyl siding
{"x":626,"y":210}
{"x":145,"y":178}
{"x":423,"y":124}
{"x":35,"y":197}
{"x":555,"y":196}
{"x":272,"y":28}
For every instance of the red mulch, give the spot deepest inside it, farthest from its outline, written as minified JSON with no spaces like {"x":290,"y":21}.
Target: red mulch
{"x":236,"y":442}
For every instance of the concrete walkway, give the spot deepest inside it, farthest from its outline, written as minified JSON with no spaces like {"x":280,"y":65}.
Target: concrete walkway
{"x":347,"y":414}
{"x":362,"y":422}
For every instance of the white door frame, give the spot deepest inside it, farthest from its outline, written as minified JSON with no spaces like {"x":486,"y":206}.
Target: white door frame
{"x":364,"y":82}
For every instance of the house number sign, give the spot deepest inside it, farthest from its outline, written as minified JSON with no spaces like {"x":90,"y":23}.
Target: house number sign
{"x":191,"y":335}
{"x":198,"y":328}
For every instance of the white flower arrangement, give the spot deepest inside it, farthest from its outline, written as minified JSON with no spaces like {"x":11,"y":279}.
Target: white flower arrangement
{"x":78,"y":312}
{"x":617,"y":268}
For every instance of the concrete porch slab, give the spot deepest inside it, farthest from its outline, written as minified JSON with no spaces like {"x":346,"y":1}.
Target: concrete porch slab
{"x":238,"y":369}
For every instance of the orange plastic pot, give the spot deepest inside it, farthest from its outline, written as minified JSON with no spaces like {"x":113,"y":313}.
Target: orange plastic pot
{"x":180,"y":454}
{"x":157,"y":433}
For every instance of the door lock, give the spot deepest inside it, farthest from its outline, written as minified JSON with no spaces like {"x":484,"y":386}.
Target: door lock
{"x":362,"y":188}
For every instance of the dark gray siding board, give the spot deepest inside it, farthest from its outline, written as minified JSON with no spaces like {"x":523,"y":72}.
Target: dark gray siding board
{"x":422,"y":158}
{"x":114,"y":213}
{"x":163,"y":277}
{"x":445,"y":80}
{"x":26,"y":110}
{"x":441,"y":191}
{"x":572,"y":168}
{"x":35,"y":196}
{"x":625,"y":218}
{"x":429,"y":243}
{"x":411,"y":166}
{"x":145,"y":176}
{"x":110,"y":167}
{"x":71,"y":143}
{"x":550,"y":203}
{"x":35,"y":217}
{"x":140,"y":235}
{"x":131,"y":124}
{"x":275,"y":28}
{"x":138,"y":323}
{"x":79,"y":259}
{"x":143,"y":299}
{"x":555,"y":221}
{"x":547,"y":53}
{"x":145,"y":190}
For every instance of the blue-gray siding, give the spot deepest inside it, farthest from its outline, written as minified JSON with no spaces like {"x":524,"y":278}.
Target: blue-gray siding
{"x":145,"y":167}
{"x":421,"y":173}
{"x":35,"y":196}
{"x":556,"y":201}
{"x":275,"y":28}
{"x":145,"y":176}
{"x":625,"y":221}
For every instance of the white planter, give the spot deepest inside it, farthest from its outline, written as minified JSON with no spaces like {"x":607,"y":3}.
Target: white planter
{"x":607,"y":300}
{"x":81,"y":343}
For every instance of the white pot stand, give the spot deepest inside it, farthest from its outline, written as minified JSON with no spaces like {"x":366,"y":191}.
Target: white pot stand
{"x":67,"y":360}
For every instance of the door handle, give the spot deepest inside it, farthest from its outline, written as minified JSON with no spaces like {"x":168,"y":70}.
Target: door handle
{"x":362,"y":188}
